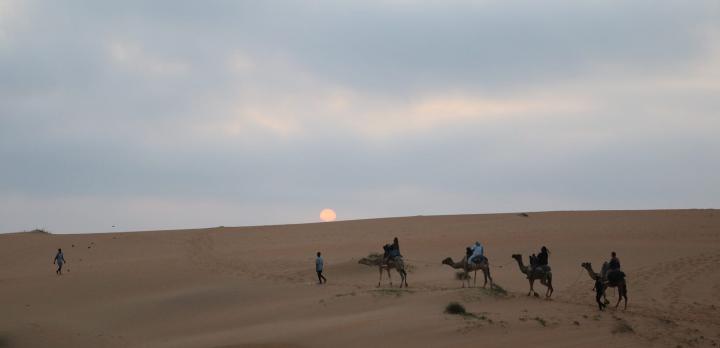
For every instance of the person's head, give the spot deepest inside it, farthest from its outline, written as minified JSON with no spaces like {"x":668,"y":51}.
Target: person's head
{"x":318,"y":254}
{"x":613,"y":254}
{"x":477,"y":243}
{"x":544,"y":249}
{"x":395,"y":240}
{"x":59,"y":250}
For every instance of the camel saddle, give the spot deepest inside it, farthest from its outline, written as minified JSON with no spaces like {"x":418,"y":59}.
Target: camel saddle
{"x":614,"y":276}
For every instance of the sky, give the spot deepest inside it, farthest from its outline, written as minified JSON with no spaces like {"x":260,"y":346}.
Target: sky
{"x":174,"y":114}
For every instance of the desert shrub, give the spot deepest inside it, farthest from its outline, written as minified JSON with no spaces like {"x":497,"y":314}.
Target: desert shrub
{"x":40,"y":230}
{"x":622,"y":327}
{"x":499,"y":289}
{"x":461,"y":276}
{"x":455,"y":308}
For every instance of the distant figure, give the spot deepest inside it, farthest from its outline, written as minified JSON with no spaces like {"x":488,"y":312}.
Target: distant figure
{"x":599,"y":292}
{"x":319,"y":268}
{"x":59,"y":261}
{"x":391,"y":251}
{"x":477,"y":254}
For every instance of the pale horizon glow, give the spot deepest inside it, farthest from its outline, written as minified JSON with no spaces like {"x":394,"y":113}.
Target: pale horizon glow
{"x":167,"y":114}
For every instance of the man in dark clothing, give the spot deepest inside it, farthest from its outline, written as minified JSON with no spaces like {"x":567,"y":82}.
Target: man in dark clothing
{"x":611,"y":269}
{"x":319,"y":265}
{"x":614,"y":264}
{"x":542,"y":257}
{"x":391,"y":250}
{"x":599,"y":292}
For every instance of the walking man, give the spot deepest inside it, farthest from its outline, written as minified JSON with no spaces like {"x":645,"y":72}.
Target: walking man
{"x":319,"y":268}
{"x":59,"y":261}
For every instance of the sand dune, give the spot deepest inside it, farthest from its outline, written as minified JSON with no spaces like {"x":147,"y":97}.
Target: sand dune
{"x":255,"y":286}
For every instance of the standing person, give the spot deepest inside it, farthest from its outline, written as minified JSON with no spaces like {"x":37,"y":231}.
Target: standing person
{"x":319,"y":264}
{"x":599,"y":292}
{"x":59,"y":261}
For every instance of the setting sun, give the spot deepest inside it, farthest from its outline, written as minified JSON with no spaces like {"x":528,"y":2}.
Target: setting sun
{"x":327,"y":215}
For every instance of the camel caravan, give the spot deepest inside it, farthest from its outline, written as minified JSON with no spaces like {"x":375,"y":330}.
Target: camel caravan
{"x":474,"y":259}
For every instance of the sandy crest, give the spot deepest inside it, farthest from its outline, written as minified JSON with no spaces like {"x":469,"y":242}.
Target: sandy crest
{"x":255,"y":286}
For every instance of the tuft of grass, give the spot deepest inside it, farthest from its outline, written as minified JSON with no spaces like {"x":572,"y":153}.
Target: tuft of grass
{"x":499,"y":290}
{"x":541,"y":321}
{"x":461,"y":276}
{"x":346,"y":294}
{"x":455,"y":308}
{"x":391,"y":292}
{"x":622,"y":327}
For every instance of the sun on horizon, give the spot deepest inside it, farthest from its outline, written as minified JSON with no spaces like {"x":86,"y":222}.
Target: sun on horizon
{"x":327,"y":215}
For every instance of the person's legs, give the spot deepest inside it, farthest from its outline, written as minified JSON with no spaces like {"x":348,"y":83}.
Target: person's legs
{"x":599,"y":292}
{"x":321,"y":278}
{"x":59,"y":270}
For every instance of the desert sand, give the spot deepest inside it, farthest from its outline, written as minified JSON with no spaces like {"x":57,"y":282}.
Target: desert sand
{"x":256,"y":286}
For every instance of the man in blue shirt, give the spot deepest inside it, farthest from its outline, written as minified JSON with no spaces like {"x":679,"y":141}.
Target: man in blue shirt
{"x":477,"y":253}
{"x":59,"y":261}
{"x":319,"y":268}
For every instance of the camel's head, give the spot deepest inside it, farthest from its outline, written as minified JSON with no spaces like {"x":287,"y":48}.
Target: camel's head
{"x":447,"y":261}
{"x":517,"y":257}
{"x":586,"y":265}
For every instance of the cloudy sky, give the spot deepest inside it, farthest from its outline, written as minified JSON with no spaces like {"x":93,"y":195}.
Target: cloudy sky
{"x":167,"y":114}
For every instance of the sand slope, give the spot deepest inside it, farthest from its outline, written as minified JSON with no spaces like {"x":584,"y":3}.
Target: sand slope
{"x":255,"y":286}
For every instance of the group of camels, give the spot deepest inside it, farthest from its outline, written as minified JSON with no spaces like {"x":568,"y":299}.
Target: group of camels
{"x":544,"y":275}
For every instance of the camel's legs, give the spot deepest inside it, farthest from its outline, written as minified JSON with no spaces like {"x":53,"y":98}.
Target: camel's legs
{"x":622,"y":294}
{"x":550,"y":289}
{"x":389,"y":276}
{"x":548,"y":283}
{"x":403,"y":277}
{"x":532,"y":291}
{"x":475,"y":279}
{"x":380,"y":280}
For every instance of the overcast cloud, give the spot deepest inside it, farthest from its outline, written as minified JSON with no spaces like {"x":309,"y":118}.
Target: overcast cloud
{"x":171,"y":114}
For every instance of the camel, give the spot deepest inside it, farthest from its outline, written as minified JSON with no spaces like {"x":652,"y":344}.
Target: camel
{"x":533,"y":275}
{"x":397,"y":264}
{"x":463,"y":264}
{"x":621,"y":285}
